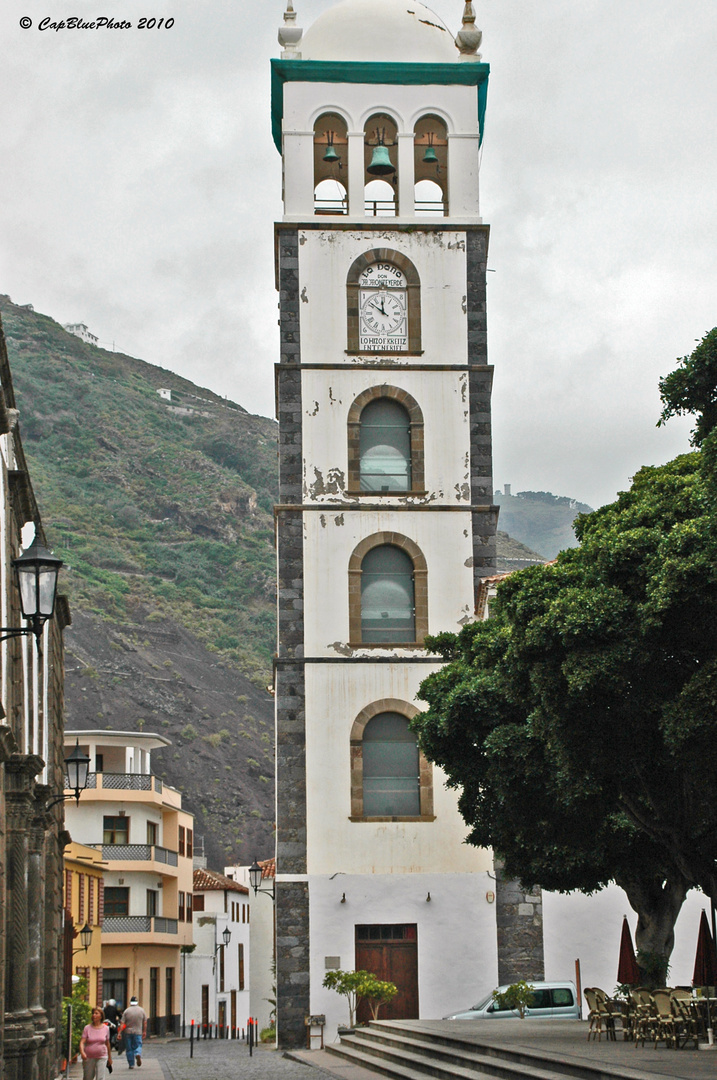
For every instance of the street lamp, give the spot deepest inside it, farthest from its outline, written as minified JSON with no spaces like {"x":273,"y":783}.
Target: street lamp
{"x":77,"y":766}
{"x":255,"y":879}
{"x":85,"y":938}
{"x":36,"y":571}
{"x":226,"y":936}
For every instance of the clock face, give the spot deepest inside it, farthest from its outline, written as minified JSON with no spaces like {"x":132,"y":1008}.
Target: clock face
{"x":383,"y":318}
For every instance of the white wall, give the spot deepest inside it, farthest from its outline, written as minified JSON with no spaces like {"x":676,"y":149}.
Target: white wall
{"x":335,"y":694}
{"x":329,"y":541}
{"x":325,"y":257}
{"x":457,"y":951}
{"x":588,"y":928}
{"x":201,"y":969}
{"x":263,"y":981}
{"x":84,"y":820}
{"x":443,"y":399}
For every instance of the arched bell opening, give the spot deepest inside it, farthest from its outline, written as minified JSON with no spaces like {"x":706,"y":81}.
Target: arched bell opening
{"x":430,"y":150}
{"x":330,"y":164}
{"x":330,"y":197}
{"x":429,"y":199}
{"x":380,"y":166}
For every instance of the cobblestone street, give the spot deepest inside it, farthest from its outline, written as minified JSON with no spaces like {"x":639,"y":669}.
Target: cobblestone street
{"x":213,"y":1060}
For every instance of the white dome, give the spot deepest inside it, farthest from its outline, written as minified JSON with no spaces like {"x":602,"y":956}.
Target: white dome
{"x":398,"y":31}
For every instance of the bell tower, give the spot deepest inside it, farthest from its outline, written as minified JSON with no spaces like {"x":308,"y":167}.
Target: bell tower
{"x":385,"y":523}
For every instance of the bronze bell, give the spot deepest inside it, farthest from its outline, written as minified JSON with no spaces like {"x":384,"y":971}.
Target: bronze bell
{"x":380,"y":162}
{"x":430,"y":157}
{"x":331,"y":156}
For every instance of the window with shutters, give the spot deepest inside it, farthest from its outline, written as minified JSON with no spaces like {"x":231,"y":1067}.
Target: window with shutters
{"x":390,"y":778}
{"x":388,"y":600}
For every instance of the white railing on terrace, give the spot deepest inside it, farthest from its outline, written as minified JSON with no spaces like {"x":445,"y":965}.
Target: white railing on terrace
{"x":137,"y":853}
{"x":108,"y":781}
{"x":138,"y":924}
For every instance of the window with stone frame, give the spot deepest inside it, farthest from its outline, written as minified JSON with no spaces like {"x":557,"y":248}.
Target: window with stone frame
{"x":385,"y":443}
{"x":390,"y":778}
{"x":383,"y":303}
{"x":388,"y":599}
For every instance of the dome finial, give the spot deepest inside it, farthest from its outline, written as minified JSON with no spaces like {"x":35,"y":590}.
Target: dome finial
{"x":290,"y":34}
{"x":468,"y":38}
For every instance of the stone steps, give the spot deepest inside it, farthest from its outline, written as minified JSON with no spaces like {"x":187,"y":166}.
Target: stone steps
{"x":409,"y":1054}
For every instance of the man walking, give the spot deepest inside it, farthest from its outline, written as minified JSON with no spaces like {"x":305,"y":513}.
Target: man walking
{"x":135,"y":1020}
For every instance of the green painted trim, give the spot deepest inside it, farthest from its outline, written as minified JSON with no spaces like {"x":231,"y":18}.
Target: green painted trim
{"x":352,"y":71}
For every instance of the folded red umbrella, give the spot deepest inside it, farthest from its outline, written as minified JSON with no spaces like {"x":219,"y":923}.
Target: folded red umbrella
{"x":705,"y":973}
{"x":628,"y":973}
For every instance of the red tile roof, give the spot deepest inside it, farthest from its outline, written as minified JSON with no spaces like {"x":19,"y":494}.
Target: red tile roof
{"x":207,"y":880}
{"x":268,"y":868}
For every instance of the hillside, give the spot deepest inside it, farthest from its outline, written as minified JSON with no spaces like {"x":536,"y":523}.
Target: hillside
{"x":541,"y":520}
{"x":162,"y":513}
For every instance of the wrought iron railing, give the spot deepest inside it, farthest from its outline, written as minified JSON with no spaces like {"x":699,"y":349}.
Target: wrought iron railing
{"x":127,"y":781}
{"x":381,"y":207}
{"x":163,"y":854}
{"x":127,"y":924}
{"x":138,"y":853}
{"x":164,"y":926}
{"x":138,"y":924}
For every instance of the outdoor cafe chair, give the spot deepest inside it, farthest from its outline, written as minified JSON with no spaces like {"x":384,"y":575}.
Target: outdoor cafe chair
{"x":686,"y":1021}
{"x":600,"y":1014}
{"x":664,"y":1028}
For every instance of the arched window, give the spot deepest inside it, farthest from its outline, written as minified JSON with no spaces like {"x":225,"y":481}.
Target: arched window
{"x":383,"y":304}
{"x":380,"y":165}
{"x":430,"y":166}
{"x":388,"y":602}
{"x":385,"y":442}
{"x":390,"y":768}
{"x":390,"y":777}
{"x":387,"y":597}
{"x":330,"y":152}
{"x":385,"y":447}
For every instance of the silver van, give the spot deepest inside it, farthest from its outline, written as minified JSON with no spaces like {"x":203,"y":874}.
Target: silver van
{"x":552,"y":1000}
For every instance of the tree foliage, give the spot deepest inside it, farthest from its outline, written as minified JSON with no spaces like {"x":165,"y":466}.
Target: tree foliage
{"x":578,"y":722}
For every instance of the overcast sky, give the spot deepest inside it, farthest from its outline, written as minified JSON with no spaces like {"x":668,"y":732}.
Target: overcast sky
{"x":140,"y":184}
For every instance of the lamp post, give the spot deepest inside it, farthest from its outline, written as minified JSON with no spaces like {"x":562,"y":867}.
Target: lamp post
{"x":255,"y":879}
{"x":226,"y":938}
{"x":85,"y":938}
{"x":36,"y":572}
{"x":77,"y":765}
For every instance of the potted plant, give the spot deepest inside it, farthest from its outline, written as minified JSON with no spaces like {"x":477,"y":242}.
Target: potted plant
{"x":357,"y":986}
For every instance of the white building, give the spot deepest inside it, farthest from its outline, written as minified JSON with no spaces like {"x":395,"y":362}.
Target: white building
{"x":217,"y":972}
{"x":262,"y":978}
{"x":385,"y":522}
{"x":80,"y":330}
{"x":146,"y":840}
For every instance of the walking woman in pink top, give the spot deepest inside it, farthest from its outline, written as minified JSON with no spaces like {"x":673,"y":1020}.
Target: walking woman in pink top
{"x":95,"y":1048}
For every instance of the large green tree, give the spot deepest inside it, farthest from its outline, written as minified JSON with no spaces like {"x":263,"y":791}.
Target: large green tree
{"x":578,"y":722}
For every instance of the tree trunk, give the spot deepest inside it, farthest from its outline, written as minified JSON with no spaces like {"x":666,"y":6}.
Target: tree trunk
{"x":657,"y":904}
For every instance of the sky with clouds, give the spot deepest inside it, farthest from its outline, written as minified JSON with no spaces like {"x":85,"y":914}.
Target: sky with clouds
{"x":141,"y":184}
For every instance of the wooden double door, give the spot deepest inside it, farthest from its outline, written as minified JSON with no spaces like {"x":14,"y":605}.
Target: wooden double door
{"x":390,"y":952}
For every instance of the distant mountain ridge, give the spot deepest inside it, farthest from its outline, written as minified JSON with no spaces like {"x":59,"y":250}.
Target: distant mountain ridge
{"x":540,"y":520}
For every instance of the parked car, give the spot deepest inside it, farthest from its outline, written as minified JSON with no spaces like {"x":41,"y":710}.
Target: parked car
{"x":552,"y":1000}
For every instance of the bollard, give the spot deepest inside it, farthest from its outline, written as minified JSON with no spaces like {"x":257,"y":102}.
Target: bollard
{"x":250,"y":1034}
{"x":191,"y":1040}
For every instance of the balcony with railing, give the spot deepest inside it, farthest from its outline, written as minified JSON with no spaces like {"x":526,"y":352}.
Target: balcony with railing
{"x":137,"y":853}
{"x":139,"y":924}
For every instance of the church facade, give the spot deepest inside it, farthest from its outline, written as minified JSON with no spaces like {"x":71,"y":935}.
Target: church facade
{"x":385,"y":521}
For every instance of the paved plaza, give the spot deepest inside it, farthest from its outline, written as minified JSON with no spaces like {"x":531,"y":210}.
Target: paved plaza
{"x":219,"y":1060}
{"x":168,"y":1059}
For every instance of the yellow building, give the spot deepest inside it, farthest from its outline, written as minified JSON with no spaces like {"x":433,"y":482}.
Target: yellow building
{"x":83,"y":901}
{"x":137,"y":824}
